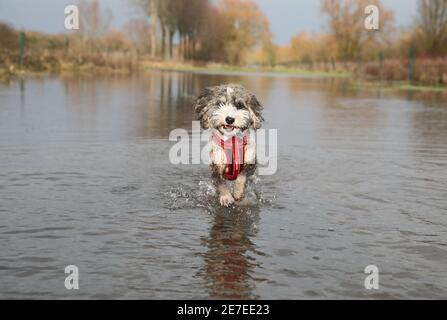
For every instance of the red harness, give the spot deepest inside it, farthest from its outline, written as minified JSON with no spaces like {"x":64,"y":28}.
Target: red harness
{"x":234,"y":149}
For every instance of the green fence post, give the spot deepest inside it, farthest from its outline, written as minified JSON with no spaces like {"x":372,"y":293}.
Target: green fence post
{"x":381,"y":58}
{"x":22,"y":42}
{"x":412,"y":64}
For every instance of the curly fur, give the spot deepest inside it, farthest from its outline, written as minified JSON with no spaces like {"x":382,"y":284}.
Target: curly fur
{"x":213,"y":106}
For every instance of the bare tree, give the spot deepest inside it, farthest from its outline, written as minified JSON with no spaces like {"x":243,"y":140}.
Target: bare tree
{"x":93,"y":21}
{"x":150,"y":9}
{"x":346,"y":24}
{"x":432,"y":25}
{"x":168,"y":13}
{"x":8,"y":39}
{"x":246,"y":26}
{"x":190,"y":18}
{"x":137,"y":31}
{"x":212,"y":40}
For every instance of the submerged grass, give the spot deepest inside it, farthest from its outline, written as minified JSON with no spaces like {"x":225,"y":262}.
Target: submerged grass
{"x":396,"y":86}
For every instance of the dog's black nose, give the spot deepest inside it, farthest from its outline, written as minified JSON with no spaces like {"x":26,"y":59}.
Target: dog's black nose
{"x":229,"y":120}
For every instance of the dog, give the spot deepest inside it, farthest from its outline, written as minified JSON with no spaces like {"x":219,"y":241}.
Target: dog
{"x":233,"y":114}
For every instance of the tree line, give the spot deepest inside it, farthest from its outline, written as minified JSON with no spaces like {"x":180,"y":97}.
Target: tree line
{"x":221,"y":31}
{"x":237,"y":32}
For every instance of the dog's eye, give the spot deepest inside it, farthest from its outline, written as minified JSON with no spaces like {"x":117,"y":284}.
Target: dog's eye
{"x":239,"y":105}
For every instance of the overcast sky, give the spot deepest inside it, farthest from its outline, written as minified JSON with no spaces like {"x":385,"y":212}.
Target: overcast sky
{"x":287,"y":17}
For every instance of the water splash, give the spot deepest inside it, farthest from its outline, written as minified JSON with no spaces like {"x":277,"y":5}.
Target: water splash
{"x":203,"y":194}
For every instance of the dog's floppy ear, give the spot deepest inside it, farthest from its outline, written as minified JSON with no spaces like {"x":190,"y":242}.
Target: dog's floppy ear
{"x":255,"y":109}
{"x":203,"y":105}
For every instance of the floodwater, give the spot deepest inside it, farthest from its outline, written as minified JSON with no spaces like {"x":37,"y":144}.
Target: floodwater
{"x":85,"y":180}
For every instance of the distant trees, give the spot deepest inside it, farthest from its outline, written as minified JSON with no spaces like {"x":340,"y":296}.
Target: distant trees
{"x":93,"y":21}
{"x":212,"y":42}
{"x":269,"y":51}
{"x":346,"y":25}
{"x":192,"y":15}
{"x":137,"y":32}
{"x":168,"y":14}
{"x":149,"y":8}
{"x":306,"y":48}
{"x":8,"y":38}
{"x":209,"y":30}
{"x":245,"y":27}
{"x":237,"y":31}
{"x":347,"y":39}
{"x":168,"y":17}
{"x":431,"y":32}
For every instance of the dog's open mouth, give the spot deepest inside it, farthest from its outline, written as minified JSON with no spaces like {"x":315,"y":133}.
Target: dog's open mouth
{"x":229,"y":128}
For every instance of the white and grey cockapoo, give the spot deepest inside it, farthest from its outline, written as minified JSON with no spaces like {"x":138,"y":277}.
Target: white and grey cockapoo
{"x":233,"y":114}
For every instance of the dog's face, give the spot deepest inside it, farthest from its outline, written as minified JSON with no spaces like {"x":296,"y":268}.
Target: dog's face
{"x":231,"y":109}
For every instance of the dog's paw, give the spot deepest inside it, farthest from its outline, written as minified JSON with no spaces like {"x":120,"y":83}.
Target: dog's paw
{"x":226,"y":200}
{"x":238,"y":197}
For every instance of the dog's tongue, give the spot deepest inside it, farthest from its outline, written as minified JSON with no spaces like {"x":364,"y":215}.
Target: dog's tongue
{"x":228,"y":128}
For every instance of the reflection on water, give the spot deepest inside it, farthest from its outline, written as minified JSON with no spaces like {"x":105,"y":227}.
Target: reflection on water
{"x":85,"y":180}
{"x":230,"y":256}
{"x":229,"y":261}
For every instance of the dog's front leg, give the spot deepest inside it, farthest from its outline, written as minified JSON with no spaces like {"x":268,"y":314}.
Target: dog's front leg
{"x":241,"y":181}
{"x":225,"y":197}
{"x":239,"y":186}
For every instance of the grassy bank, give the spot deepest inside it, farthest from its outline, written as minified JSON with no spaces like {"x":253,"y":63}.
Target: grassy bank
{"x":221,"y":68}
{"x":94,"y":64}
{"x":124,"y":64}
